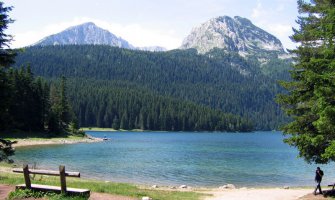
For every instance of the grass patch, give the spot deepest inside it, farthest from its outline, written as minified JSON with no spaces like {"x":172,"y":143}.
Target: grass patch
{"x":100,"y":186}
{"x":17,"y":134}
{"x":21,"y":194}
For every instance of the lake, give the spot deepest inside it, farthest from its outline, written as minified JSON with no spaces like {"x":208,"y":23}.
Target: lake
{"x":173,"y":158}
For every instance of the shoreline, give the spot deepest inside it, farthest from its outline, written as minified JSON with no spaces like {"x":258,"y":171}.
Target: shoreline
{"x":109,"y":129}
{"x":53,"y":141}
{"x":219,"y":193}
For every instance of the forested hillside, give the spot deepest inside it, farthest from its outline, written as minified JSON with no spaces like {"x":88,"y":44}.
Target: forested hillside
{"x":103,"y":77}
{"x":102,"y":104}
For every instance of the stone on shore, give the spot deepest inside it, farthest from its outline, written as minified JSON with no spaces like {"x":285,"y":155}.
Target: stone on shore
{"x":183,"y":187}
{"x":228,"y":186}
{"x":146,"y":198}
{"x":154,"y":186}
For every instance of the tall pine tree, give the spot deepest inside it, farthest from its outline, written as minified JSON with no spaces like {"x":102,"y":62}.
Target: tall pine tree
{"x":310,"y":100}
{"x":6,"y":59}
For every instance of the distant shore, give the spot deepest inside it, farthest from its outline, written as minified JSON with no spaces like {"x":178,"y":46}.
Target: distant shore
{"x":108,"y":129}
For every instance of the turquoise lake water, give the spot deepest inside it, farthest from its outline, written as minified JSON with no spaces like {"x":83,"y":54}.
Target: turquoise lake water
{"x":175,"y":158}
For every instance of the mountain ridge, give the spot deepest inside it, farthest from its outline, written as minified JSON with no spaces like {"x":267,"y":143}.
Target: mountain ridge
{"x":232,"y":34}
{"x":89,"y":33}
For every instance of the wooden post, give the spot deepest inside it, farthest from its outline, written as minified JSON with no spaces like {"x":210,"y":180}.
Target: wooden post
{"x":26,"y":176}
{"x":62,"y":178}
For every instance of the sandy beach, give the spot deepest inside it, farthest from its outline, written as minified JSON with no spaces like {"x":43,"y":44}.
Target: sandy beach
{"x":259,"y":194}
{"x":53,"y":141}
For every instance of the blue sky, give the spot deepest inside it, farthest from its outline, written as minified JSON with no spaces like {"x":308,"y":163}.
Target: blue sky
{"x":145,"y":22}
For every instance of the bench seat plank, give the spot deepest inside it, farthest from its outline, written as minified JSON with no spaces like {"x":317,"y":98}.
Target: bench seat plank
{"x":57,"y":189}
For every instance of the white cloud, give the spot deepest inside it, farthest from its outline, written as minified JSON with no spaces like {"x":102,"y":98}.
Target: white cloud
{"x":273,"y":20}
{"x":258,"y":11}
{"x":135,"y":34}
{"x":140,"y":36}
{"x":282,"y":31}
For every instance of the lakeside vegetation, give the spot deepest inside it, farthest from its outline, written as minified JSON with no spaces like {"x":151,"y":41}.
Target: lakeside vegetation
{"x":309,"y":100}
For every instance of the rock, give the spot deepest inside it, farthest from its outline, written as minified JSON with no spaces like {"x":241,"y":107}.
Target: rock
{"x":183,"y":186}
{"x":228,"y":186}
{"x":286,"y":187}
{"x":173,"y":187}
{"x":146,"y":198}
{"x":154,"y":186}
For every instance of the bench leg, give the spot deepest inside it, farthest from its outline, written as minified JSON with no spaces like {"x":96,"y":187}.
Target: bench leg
{"x":26,"y":176}
{"x":62,"y":178}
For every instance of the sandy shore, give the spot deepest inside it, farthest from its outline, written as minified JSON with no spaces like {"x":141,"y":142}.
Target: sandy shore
{"x":34,"y":142}
{"x":258,"y":194}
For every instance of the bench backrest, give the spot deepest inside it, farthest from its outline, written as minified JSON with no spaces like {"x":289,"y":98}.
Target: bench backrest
{"x":47,"y":172}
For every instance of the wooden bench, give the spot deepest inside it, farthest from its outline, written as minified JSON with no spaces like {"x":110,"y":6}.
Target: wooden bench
{"x":332,"y":185}
{"x":47,"y":188}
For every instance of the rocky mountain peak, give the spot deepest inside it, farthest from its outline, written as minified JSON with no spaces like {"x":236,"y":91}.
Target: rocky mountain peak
{"x":87,"y":33}
{"x":232,"y":34}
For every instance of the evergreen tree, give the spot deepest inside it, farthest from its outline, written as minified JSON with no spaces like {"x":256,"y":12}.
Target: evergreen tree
{"x":7,"y":55}
{"x":6,"y":59}
{"x":61,"y":112}
{"x":6,"y":150}
{"x":64,"y":113}
{"x":310,"y":100}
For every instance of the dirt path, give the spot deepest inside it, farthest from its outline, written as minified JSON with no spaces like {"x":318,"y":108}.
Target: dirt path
{"x":104,"y":196}
{"x":313,"y":197}
{"x":5,"y":190}
{"x":259,"y":194}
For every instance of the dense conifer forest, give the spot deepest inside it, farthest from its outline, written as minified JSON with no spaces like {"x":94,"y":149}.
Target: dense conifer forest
{"x":33,"y":105}
{"x":174,"y":90}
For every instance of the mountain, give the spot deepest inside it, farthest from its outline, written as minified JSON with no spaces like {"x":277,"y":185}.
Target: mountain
{"x":89,"y":33}
{"x":234,"y":35}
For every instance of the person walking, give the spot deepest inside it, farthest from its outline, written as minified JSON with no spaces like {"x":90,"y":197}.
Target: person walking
{"x":318,"y":179}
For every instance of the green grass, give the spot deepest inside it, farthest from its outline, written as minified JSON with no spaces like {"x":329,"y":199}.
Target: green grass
{"x":17,"y":135}
{"x":21,"y":194}
{"x":103,"y":187}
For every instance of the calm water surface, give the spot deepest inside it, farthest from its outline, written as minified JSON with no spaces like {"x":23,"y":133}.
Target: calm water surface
{"x":174,"y":158}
